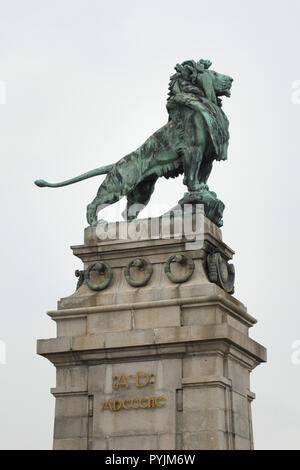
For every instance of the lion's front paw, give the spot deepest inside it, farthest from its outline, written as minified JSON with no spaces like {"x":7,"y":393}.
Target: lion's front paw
{"x":91,"y":215}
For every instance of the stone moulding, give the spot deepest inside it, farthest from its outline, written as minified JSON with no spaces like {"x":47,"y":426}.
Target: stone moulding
{"x":237,"y":310}
{"x":143,"y":343}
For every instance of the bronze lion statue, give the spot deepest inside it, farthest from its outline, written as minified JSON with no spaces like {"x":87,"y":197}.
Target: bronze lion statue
{"x":195,"y":135}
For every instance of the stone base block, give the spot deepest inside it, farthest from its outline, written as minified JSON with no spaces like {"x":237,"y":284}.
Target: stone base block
{"x":161,"y":366}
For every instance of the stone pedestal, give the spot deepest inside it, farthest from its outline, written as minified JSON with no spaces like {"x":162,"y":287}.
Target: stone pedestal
{"x":164,"y":365}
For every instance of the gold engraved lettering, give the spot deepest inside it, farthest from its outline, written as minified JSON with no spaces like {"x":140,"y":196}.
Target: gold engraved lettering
{"x":142,"y":379}
{"x":135,"y":403}
{"x":148,"y":404}
{"x":138,"y":403}
{"x":157,"y":400}
{"x":121,"y":381}
{"x":117,"y":405}
{"x":106,"y":405}
{"x":124,"y":404}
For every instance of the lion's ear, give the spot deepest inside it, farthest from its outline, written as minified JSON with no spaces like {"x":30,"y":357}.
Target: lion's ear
{"x":208,"y":88}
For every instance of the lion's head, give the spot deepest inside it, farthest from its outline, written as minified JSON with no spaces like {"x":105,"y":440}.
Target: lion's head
{"x":196,"y":77}
{"x":220,"y":83}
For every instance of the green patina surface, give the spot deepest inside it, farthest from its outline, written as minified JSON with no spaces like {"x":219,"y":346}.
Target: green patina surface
{"x":195,"y":135}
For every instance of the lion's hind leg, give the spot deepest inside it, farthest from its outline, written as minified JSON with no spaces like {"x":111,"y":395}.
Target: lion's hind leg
{"x":139,"y":197}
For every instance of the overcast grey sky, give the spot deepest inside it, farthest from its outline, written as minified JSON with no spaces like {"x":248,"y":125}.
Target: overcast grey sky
{"x":86,"y":83}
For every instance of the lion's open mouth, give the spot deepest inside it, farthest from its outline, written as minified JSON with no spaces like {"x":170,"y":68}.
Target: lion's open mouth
{"x":224,"y":93}
{"x":225,"y":89}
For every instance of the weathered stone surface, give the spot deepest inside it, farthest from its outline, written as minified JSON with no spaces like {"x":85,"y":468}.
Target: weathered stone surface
{"x":129,"y":338}
{"x":203,"y":419}
{"x":206,"y":397}
{"x":205,"y":440}
{"x":202,"y":365}
{"x":191,"y":339}
{"x":109,"y":321}
{"x":71,"y":406}
{"x":71,"y":379}
{"x":167,"y":441}
{"x":100,"y":378}
{"x":70,"y":444}
{"x":240,"y":377}
{"x":239,"y":403}
{"x":242,"y":443}
{"x":137,"y":442}
{"x":70,"y":427}
{"x":241,"y":425}
{"x":156,"y":317}
{"x":73,"y":327}
{"x":100,"y":444}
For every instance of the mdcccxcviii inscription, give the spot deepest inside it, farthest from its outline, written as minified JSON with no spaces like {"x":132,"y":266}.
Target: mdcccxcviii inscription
{"x":139,"y":380}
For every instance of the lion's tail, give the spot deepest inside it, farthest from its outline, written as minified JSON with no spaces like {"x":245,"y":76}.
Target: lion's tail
{"x":98,"y":171}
